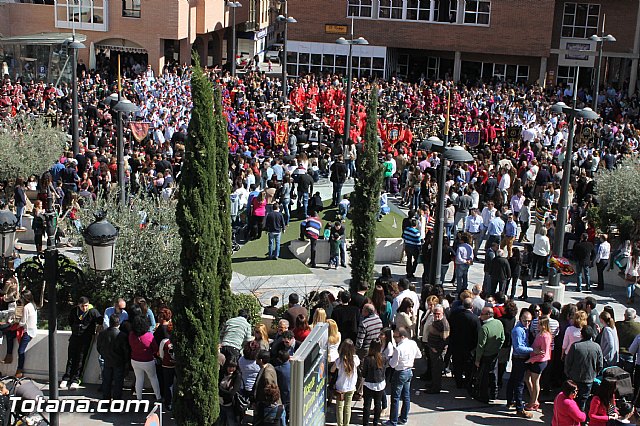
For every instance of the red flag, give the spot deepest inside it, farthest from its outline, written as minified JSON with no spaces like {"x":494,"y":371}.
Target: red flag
{"x":282,"y":131}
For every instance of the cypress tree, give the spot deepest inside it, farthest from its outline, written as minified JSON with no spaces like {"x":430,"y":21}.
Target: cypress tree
{"x":223,"y":194}
{"x":366,"y":200}
{"x":197,"y":296}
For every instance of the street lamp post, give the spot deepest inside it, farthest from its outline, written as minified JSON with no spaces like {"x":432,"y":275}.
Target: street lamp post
{"x":563,"y":205}
{"x":601,"y":40}
{"x":233,"y":5}
{"x":8,"y":225}
{"x":75,"y":138}
{"x":124,"y":106}
{"x":454,"y":154}
{"x":347,"y":108}
{"x":287,"y":20}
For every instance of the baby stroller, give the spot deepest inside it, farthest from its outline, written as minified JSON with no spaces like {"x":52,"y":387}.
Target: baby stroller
{"x":624,"y":387}
{"x":25,"y":389}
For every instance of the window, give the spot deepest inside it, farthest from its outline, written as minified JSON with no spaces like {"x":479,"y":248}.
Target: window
{"x":360,"y":8}
{"x":131,"y":8}
{"x":580,"y":20}
{"x":433,"y":66}
{"x":391,"y":9}
{"x":566,"y":76}
{"x":303,"y":63}
{"x":477,"y":12}
{"x":82,"y":14}
{"x":510,"y":73}
{"x":453,"y":11}
{"x":418,"y":10}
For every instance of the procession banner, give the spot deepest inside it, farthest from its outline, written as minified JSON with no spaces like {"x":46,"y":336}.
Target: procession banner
{"x":472,"y":139}
{"x":282,"y":131}
{"x":139,"y":129}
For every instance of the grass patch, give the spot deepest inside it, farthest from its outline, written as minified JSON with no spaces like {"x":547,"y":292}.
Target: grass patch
{"x":251,"y":259}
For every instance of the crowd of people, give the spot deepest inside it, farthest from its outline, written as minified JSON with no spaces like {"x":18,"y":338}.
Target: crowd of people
{"x":279,"y":148}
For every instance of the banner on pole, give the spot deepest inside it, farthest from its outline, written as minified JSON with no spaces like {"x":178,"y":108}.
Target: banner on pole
{"x":139,"y":129}
{"x":472,"y":139}
{"x":282,"y":132}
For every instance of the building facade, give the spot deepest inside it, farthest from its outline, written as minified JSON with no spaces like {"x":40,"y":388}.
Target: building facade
{"x":152,"y":31}
{"x":523,"y":40}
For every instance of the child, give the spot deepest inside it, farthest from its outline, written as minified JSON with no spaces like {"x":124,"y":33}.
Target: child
{"x":334,"y":249}
{"x":38,"y":225}
{"x":343,"y":207}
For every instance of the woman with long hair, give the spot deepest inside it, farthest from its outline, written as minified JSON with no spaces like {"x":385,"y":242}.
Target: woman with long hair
{"x":373,"y":373}
{"x":404,"y":316}
{"x":382,"y":305}
{"x":631,"y":273}
{"x":261,"y":336}
{"x":515,"y":263}
{"x":609,"y":340}
{"x":537,"y":362}
{"x":346,"y":365}
{"x":258,"y":213}
{"x":229,"y":384}
{"x":144,"y":307}
{"x":319,"y":315}
{"x":333,"y":340}
{"x":302,"y":329}
{"x":143,"y":349}
{"x":29,"y":323}
{"x":565,"y":408}
{"x":573,"y":333}
{"x":603,"y":404}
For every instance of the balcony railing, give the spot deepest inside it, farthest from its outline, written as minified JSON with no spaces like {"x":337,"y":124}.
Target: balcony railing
{"x":82,"y":14}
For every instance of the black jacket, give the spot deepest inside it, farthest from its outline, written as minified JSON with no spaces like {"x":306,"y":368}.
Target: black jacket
{"x":464,"y":326}
{"x":371,"y":372}
{"x":338,"y":172}
{"x":84,"y":325}
{"x":584,"y":252}
{"x":113,"y":346}
{"x":347,"y":318}
{"x":500,"y":269}
{"x":305,"y":184}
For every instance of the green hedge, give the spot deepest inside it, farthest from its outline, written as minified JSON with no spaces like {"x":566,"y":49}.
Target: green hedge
{"x":236,"y":301}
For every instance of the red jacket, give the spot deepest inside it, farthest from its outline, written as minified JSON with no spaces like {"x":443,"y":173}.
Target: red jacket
{"x":566,"y":412}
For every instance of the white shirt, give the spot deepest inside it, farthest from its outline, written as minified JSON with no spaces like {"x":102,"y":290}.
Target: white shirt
{"x":405,"y":354}
{"x":487,"y":215}
{"x":604,"y":251}
{"x":505,"y":182}
{"x":30,"y":320}
{"x":347,"y":383}
{"x":400,"y":297}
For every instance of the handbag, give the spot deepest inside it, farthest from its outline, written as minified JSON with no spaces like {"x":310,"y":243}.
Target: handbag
{"x":630,"y":278}
{"x":339,"y":396}
{"x":240,"y":402}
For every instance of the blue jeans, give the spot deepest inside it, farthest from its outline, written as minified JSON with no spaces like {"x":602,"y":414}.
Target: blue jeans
{"x":515,"y":386}
{"x":22,"y":347}
{"x":351,"y":168}
{"x":584,"y":390}
{"x":286,"y":210}
{"x":400,"y":389}
{"x":19,"y":213}
{"x":343,"y":210}
{"x":630,"y":288}
{"x":337,"y":192}
{"x":274,"y":239}
{"x":583,"y":270}
{"x":448,"y":227}
{"x":443,"y":271}
{"x":462,"y":278}
{"x":305,"y":203}
{"x":415,"y":201}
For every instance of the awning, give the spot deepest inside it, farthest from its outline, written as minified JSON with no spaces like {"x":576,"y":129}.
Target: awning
{"x":43,"y":38}
{"x":120,"y":45}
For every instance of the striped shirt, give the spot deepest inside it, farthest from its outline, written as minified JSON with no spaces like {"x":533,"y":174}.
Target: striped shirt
{"x":312,"y":227}
{"x":411,"y":236}
{"x":368,"y":330}
{"x":554,"y":328}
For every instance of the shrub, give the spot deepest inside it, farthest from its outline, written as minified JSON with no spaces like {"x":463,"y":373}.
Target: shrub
{"x":236,"y":301}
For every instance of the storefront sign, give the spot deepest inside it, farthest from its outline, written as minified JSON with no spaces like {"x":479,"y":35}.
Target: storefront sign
{"x":335,"y":29}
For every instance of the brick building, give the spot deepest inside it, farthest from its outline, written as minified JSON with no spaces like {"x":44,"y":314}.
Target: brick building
{"x":152,"y":31}
{"x":523,"y":40}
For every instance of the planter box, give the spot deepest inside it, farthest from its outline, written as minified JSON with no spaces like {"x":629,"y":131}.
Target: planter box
{"x":388,"y":250}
